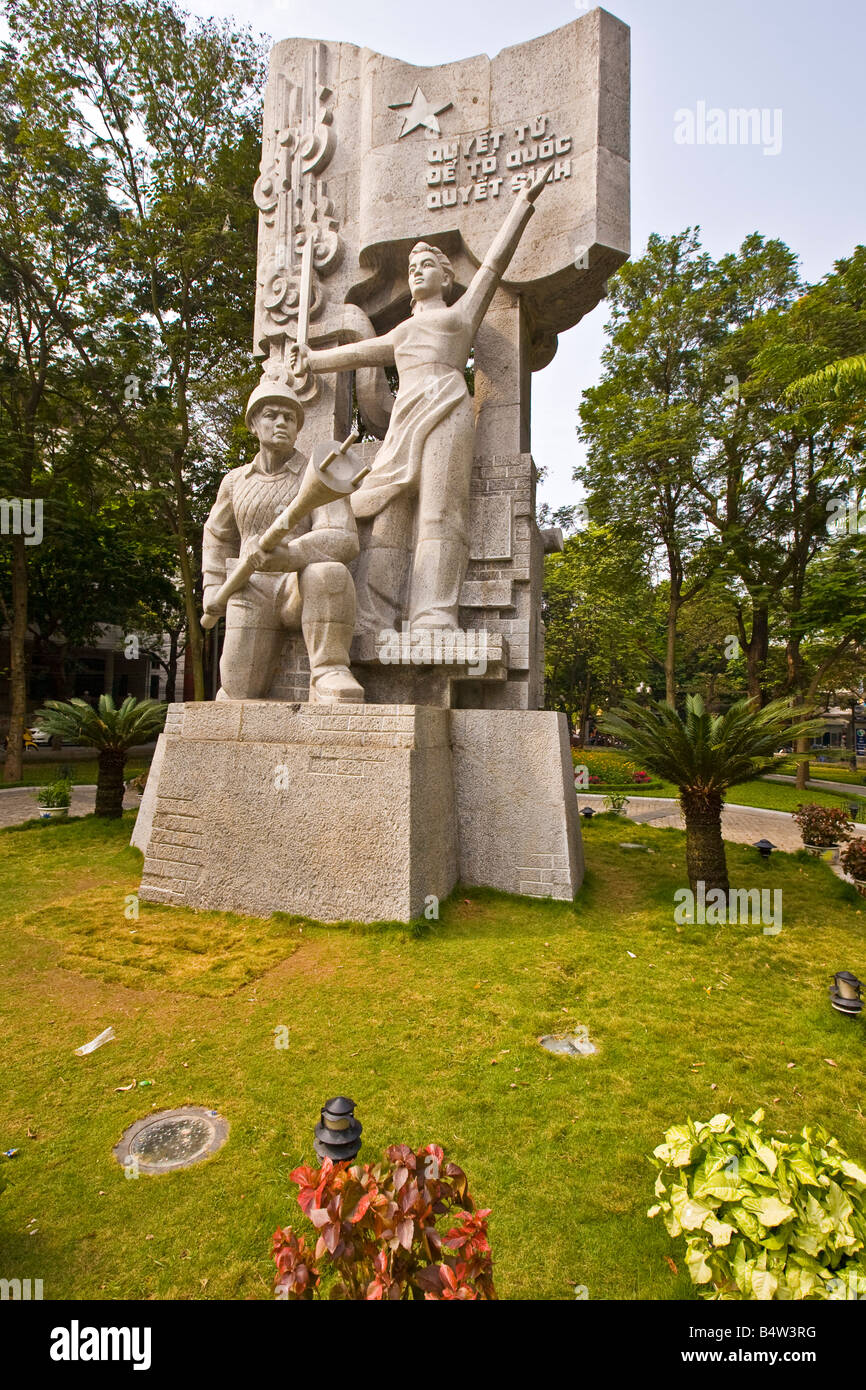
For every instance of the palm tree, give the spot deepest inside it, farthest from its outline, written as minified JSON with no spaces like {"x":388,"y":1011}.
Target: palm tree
{"x":112,"y":731}
{"x":703,"y":755}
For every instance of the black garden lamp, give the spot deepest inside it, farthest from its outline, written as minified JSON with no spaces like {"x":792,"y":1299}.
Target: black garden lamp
{"x":338,"y":1133}
{"x":587,"y":811}
{"x":764,"y":847}
{"x":845,"y":993}
{"x":854,"y":809}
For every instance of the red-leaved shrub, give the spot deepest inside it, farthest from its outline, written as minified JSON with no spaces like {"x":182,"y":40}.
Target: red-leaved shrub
{"x":378,"y":1236}
{"x":823,"y":825}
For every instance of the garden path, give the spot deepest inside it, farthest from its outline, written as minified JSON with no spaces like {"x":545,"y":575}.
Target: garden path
{"x":18,"y":804}
{"x":742,"y":824}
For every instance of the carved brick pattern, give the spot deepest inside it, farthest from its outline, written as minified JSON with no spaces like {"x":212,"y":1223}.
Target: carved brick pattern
{"x":174,"y":719}
{"x":510,"y":476}
{"x":174,"y":854}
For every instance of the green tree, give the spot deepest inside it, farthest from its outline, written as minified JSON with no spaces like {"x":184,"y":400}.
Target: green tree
{"x":643,"y":426}
{"x":695,"y":428}
{"x":828,"y":630}
{"x":110,"y":730}
{"x":704,"y":755}
{"x":597,"y":611}
{"x":104,"y":560}
{"x":172,"y":107}
{"x":56,"y":220}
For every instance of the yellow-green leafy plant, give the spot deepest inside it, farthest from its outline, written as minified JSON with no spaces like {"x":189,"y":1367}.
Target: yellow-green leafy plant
{"x":764,"y":1216}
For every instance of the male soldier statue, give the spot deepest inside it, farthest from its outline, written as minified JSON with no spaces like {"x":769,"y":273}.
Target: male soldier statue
{"x":303,"y":583}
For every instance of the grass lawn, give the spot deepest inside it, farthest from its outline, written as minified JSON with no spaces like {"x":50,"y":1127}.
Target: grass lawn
{"x":768,"y":796}
{"x":81,"y":772}
{"x":825,"y":772}
{"x":432,"y":1031}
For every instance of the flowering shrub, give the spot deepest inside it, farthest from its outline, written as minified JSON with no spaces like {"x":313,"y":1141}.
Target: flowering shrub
{"x":853,"y":858}
{"x":377,"y":1232}
{"x":822,"y":825}
{"x":610,"y":770}
{"x":763,"y":1217}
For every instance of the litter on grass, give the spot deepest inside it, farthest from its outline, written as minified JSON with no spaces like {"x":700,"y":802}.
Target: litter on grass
{"x":106,"y":1036}
{"x":575,"y":1044}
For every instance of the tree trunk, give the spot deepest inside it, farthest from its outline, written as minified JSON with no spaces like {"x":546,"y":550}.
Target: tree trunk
{"x":757,"y":650}
{"x":109,"y":783}
{"x":59,"y":670}
{"x":193,"y":617}
{"x":583,"y":731}
{"x":802,"y":744}
{"x":671,"y":654}
{"x":705,"y":848}
{"x":171,"y":668}
{"x":803,"y":765}
{"x":14,"y":763}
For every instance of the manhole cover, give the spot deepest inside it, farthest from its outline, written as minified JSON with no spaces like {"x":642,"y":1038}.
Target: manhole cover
{"x":172,"y":1139}
{"x":569,"y":1044}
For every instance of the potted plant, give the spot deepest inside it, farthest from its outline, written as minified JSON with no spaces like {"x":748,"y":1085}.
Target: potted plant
{"x":54,"y":798}
{"x":823,"y":829}
{"x":853,"y":860}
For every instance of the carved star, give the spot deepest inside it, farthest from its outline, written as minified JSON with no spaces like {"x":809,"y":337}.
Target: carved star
{"x":421,"y":112}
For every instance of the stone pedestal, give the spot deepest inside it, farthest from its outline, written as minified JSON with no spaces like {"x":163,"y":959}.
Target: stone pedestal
{"x":358,"y":812}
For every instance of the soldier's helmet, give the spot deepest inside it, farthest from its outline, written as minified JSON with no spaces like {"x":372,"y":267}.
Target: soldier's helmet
{"x":273,"y":391}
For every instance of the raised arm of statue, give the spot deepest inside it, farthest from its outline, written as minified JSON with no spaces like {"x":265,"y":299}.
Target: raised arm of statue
{"x":476,"y":301}
{"x":370,"y":352}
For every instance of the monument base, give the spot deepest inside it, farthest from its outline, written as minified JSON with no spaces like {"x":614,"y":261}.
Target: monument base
{"x":356,"y":812}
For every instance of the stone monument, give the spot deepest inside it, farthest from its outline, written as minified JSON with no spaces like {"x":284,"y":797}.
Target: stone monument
{"x":379,"y":734}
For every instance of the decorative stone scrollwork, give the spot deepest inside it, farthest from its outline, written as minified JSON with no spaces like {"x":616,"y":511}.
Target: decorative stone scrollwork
{"x":293,"y":200}
{"x":317,"y":146}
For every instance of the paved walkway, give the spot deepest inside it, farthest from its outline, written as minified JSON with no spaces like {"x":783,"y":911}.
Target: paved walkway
{"x":742,"y":824}
{"x":18,"y":804}
{"x":815,"y":785}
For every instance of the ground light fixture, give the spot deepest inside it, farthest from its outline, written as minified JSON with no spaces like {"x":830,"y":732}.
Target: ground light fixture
{"x":845,"y":993}
{"x":764,"y":847}
{"x":587,"y":811}
{"x":338,"y":1133}
{"x":854,"y":808}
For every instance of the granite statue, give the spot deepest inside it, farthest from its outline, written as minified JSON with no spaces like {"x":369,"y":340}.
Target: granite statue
{"x":416,"y":496}
{"x":302,"y":582}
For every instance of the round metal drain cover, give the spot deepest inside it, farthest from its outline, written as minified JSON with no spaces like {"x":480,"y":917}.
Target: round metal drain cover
{"x":569,"y":1044}
{"x":172,"y":1139}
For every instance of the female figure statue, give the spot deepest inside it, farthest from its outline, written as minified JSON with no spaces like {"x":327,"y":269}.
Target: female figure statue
{"x":425,"y":462}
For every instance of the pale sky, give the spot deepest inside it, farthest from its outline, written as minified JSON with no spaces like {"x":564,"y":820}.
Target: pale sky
{"x":803,"y":60}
